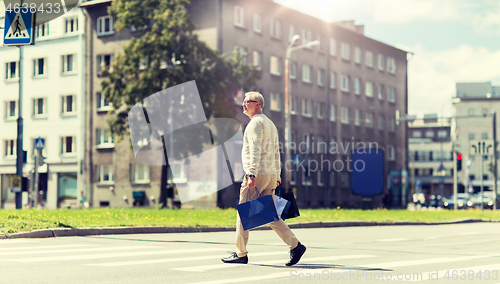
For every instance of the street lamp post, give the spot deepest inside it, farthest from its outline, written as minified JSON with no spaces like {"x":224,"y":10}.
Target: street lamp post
{"x":288,"y":123}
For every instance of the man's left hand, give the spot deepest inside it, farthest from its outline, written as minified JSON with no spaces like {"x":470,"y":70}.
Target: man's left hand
{"x":251,"y":182}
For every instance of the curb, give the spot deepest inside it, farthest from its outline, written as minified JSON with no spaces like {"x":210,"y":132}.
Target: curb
{"x":72,"y":232}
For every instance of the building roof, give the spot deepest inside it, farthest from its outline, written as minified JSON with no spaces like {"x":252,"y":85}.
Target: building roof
{"x":475,"y":90}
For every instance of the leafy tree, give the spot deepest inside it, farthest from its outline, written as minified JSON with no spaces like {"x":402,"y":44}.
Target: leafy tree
{"x":165,"y":53}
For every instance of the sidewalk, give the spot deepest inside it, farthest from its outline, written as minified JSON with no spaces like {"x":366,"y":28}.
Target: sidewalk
{"x":70,"y":232}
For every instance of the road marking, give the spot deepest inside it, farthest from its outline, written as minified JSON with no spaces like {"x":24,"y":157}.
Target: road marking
{"x":17,"y":241}
{"x":386,"y":265}
{"x":110,"y":255}
{"x":76,"y":250}
{"x":204,"y":268}
{"x":468,"y":233}
{"x":163,"y":260}
{"x":392,"y":240}
{"x":440,"y":274}
{"x":41,"y":247}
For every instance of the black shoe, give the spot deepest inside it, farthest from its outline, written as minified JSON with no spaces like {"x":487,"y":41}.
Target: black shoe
{"x":296,"y":254}
{"x":233,"y":258}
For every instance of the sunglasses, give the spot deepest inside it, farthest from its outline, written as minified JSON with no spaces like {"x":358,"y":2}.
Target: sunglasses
{"x":249,"y":101}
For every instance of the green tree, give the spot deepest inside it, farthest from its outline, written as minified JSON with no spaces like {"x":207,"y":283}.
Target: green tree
{"x":167,"y":52}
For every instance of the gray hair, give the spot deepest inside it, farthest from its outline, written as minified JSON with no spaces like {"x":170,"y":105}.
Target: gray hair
{"x":256,"y":96}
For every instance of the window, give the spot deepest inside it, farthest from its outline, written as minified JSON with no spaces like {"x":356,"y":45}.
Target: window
{"x":102,"y":103}
{"x":320,"y":178}
{"x":369,"y":119}
{"x":321,"y":110}
{"x":104,"y":62}
{"x":306,"y":139}
{"x":71,"y":25}
{"x":391,"y":65}
{"x":306,"y":107}
{"x":275,"y":102}
{"x":321,"y":77}
{"x":344,"y":180}
{"x":391,"y":95}
{"x":306,"y":37}
{"x":429,"y":134}
{"x":345,"y":51}
{"x":306,"y":177}
{"x":275,"y":28}
{"x":484,"y":135}
{"x":333,"y":47}
{"x":357,"y":117}
{"x":333,"y":112}
{"x":293,"y":70}
{"x":392,"y":124}
{"x":291,"y":33}
{"x":104,"y":174}
{"x":306,"y":73}
{"x":242,"y":52}
{"x":68,"y":145}
{"x":275,"y":65}
{"x":381,"y":122}
{"x":391,"y":153}
{"x":442,"y":134}
{"x":11,"y":110}
{"x":105,"y":26}
{"x":39,"y":67}
{"x":333,"y":178}
{"x":68,"y":63}
{"x":257,"y":23}
{"x":369,"y":59}
{"x":380,"y":92}
{"x":10,"y":148}
{"x":42,"y":30}
{"x":357,"y":86}
{"x":257,"y":60}
{"x":68,"y":104}
{"x":357,"y":55}
{"x":139,"y":173}
{"x":332,"y":80}
{"x":11,"y":70}
{"x":293,"y":177}
{"x":380,"y":62}
{"x":344,"y":115}
{"x":369,"y":89}
{"x":417,"y":134}
{"x":344,"y":80}
{"x":293,"y":105}
{"x":321,"y":145}
{"x":104,"y":138}
{"x":39,"y":107}
{"x":179,"y":172}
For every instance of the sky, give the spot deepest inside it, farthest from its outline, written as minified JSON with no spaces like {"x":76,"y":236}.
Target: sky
{"x":451,"y":41}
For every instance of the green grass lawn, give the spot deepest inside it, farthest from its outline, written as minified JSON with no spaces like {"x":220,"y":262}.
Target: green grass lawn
{"x":12,"y":221}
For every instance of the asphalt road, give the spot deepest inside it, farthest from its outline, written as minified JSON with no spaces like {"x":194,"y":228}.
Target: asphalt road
{"x":406,"y":254}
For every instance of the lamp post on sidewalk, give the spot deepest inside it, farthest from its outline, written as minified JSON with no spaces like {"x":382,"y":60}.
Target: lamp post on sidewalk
{"x":288,"y":123}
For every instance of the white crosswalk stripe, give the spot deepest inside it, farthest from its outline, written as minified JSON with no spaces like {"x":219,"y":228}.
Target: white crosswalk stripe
{"x":4,"y":242}
{"x":205,"y":268}
{"x":75,"y":250}
{"x":41,"y":247}
{"x":111,"y":255}
{"x":449,"y":274}
{"x":163,"y":260}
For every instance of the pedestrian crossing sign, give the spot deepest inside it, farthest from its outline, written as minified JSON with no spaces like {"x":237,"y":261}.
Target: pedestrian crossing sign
{"x":39,"y":143}
{"x":19,"y":27}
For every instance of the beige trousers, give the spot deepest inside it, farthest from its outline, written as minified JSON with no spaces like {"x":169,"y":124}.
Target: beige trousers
{"x":266,"y":185}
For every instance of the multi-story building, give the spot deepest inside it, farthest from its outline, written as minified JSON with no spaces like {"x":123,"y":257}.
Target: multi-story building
{"x":53,"y":72}
{"x":475,"y":99}
{"x":431,"y":157}
{"x":345,"y":91}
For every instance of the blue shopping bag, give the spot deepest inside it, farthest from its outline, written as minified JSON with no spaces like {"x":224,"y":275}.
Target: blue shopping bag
{"x":257,"y":212}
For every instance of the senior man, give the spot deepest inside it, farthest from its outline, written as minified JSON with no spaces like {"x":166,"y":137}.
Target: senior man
{"x":261,"y":162}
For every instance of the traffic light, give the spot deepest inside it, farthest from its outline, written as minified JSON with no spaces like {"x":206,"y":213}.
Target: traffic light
{"x":459,"y":162}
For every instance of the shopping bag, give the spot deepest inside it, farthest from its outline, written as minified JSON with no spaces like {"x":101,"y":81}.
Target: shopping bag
{"x":293,"y":210}
{"x":257,"y":212}
{"x":282,"y":205}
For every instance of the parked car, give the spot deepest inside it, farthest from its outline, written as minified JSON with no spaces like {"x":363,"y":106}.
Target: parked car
{"x":436,"y":201}
{"x":462,"y":199}
{"x":475,"y":201}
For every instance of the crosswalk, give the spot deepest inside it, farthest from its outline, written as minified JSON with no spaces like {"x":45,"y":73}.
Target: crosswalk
{"x":190,"y":263}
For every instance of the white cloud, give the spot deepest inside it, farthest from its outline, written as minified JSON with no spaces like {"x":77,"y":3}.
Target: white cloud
{"x":400,"y":12}
{"x":432,"y":75}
